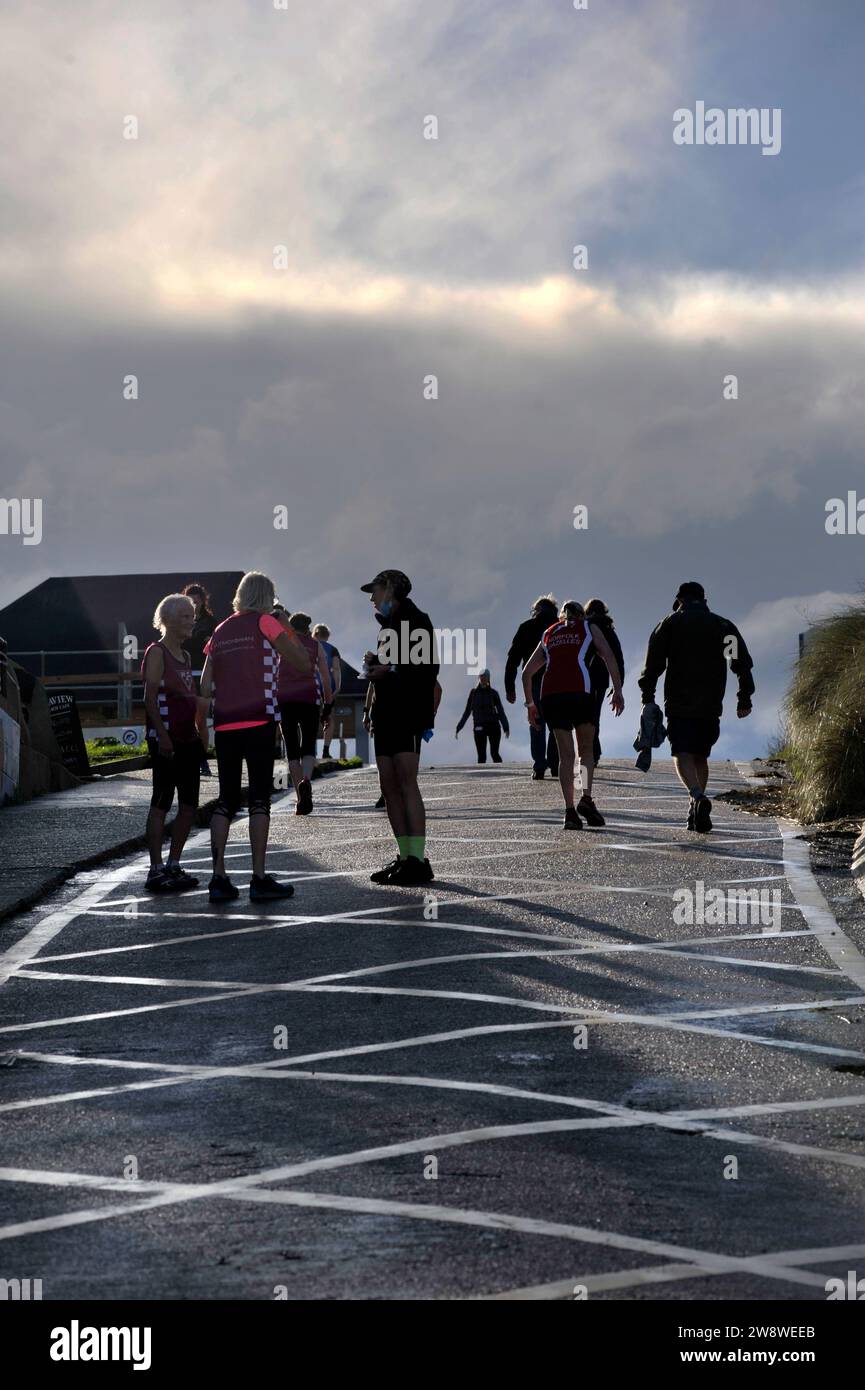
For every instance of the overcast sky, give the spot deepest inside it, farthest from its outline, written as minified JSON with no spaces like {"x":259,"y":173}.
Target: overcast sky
{"x":303,"y":387}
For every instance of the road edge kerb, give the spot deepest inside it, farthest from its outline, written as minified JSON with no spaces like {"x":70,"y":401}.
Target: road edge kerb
{"x":857,"y":861}
{"x":122,"y":848}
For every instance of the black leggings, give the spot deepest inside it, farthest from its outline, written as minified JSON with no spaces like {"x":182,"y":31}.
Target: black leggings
{"x":493,"y":732}
{"x":299,"y":728}
{"x":256,"y":747}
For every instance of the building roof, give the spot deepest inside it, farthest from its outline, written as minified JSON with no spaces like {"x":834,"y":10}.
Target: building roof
{"x":82,"y":614}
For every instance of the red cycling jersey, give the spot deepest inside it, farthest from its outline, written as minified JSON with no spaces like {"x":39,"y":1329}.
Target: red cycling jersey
{"x":568,"y":648}
{"x":176,"y":699}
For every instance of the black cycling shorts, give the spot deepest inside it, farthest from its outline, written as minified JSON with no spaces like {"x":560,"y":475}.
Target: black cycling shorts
{"x":391,"y":739}
{"x":692,"y":735}
{"x":180,"y":773}
{"x":568,"y":710}
{"x":257,"y":748}
{"x":300,"y":721}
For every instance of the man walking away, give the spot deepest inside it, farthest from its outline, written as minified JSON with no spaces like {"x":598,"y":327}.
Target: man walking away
{"x":404,"y":672}
{"x":545,"y":753}
{"x":488,"y":718}
{"x":598,"y":613}
{"x":694,"y":646}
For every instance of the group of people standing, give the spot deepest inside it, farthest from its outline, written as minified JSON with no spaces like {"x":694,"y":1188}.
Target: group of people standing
{"x":263,"y":668}
{"x":263,"y":672}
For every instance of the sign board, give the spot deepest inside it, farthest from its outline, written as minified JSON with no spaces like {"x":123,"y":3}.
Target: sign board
{"x":66,"y":724}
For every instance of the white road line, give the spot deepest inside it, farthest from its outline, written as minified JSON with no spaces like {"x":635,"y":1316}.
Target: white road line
{"x":44,"y":931}
{"x":665,"y":1274}
{"x":187,"y":1073}
{"x":816,"y":911}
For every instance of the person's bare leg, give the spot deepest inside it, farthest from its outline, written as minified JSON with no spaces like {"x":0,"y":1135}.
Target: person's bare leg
{"x":154,"y":833}
{"x":586,"y":746}
{"x":405,"y":767}
{"x":396,"y":812}
{"x":565,"y":745}
{"x":686,"y":770}
{"x":701,"y":770}
{"x":219,"y":824}
{"x":308,"y":761}
{"x":295,"y":771}
{"x":259,"y":829}
{"x":180,"y":830}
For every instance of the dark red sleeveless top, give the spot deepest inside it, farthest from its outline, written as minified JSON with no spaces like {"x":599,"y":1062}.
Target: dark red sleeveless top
{"x":176,"y":699}
{"x":296,"y":686}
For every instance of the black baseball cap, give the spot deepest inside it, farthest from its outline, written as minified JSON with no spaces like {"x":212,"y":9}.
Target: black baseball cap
{"x":393,"y":579}
{"x":689,"y":591}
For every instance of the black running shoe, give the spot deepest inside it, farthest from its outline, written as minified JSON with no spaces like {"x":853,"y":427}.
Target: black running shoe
{"x":267,"y":890}
{"x":304,"y":798}
{"x":589,"y":811}
{"x":537,"y":776}
{"x":155,"y":881}
{"x":412,"y":871}
{"x":572,"y":820}
{"x":691,"y":825}
{"x":177,"y":880}
{"x":380,"y":805}
{"x":221,"y":890}
{"x":702,"y":819}
{"x":386,"y":874}
{"x":325,"y":752}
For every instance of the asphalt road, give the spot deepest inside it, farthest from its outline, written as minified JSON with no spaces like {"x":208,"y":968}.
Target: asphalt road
{"x":537,"y":1081}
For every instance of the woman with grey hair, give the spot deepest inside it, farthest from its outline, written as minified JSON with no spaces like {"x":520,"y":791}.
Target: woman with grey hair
{"x":176,"y":730}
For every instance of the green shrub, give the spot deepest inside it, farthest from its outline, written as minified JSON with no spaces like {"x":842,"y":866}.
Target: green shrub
{"x":825,"y":719}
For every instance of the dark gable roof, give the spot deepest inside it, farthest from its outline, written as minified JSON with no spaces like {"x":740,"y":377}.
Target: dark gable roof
{"x":84,"y":613}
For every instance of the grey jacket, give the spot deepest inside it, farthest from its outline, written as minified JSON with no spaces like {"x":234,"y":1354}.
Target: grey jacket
{"x":652,"y":734}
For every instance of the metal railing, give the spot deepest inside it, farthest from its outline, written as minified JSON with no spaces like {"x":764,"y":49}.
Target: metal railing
{"x":118,"y":686}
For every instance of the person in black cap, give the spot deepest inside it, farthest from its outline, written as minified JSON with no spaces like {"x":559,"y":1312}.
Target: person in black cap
{"x":545,"y":752}
{"x":404,"y":673}
{"x":694,"y":646}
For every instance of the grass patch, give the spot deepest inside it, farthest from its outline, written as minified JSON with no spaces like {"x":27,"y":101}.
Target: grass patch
{"x":825,"y":720}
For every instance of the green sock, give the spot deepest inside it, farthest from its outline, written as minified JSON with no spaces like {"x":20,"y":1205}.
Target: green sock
{"x":403,"y":842}
{"x":416,"y":845}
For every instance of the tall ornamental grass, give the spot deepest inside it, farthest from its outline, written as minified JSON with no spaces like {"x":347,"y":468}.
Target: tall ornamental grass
{"x":825,"y":719}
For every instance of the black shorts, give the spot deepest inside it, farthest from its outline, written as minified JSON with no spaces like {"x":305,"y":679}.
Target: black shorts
{"x":257,"y":748}
{"x":299,"y":728}
{"x":692,"y":735}
{"x":567,"y":711}
{"x":180,"y":773}
{"x":391,"y":739}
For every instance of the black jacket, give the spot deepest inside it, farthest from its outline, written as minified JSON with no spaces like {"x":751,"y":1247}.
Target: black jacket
{"x":693,"y":645}
{"x":597,"y":665}
{"x":526,"y":638}
{"x":405,"y":696}
{"x":202,"y":631}
{"x":484,"y":705}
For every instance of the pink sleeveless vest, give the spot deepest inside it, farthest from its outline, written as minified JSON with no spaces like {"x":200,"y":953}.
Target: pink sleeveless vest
{"x":244,"y":672}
